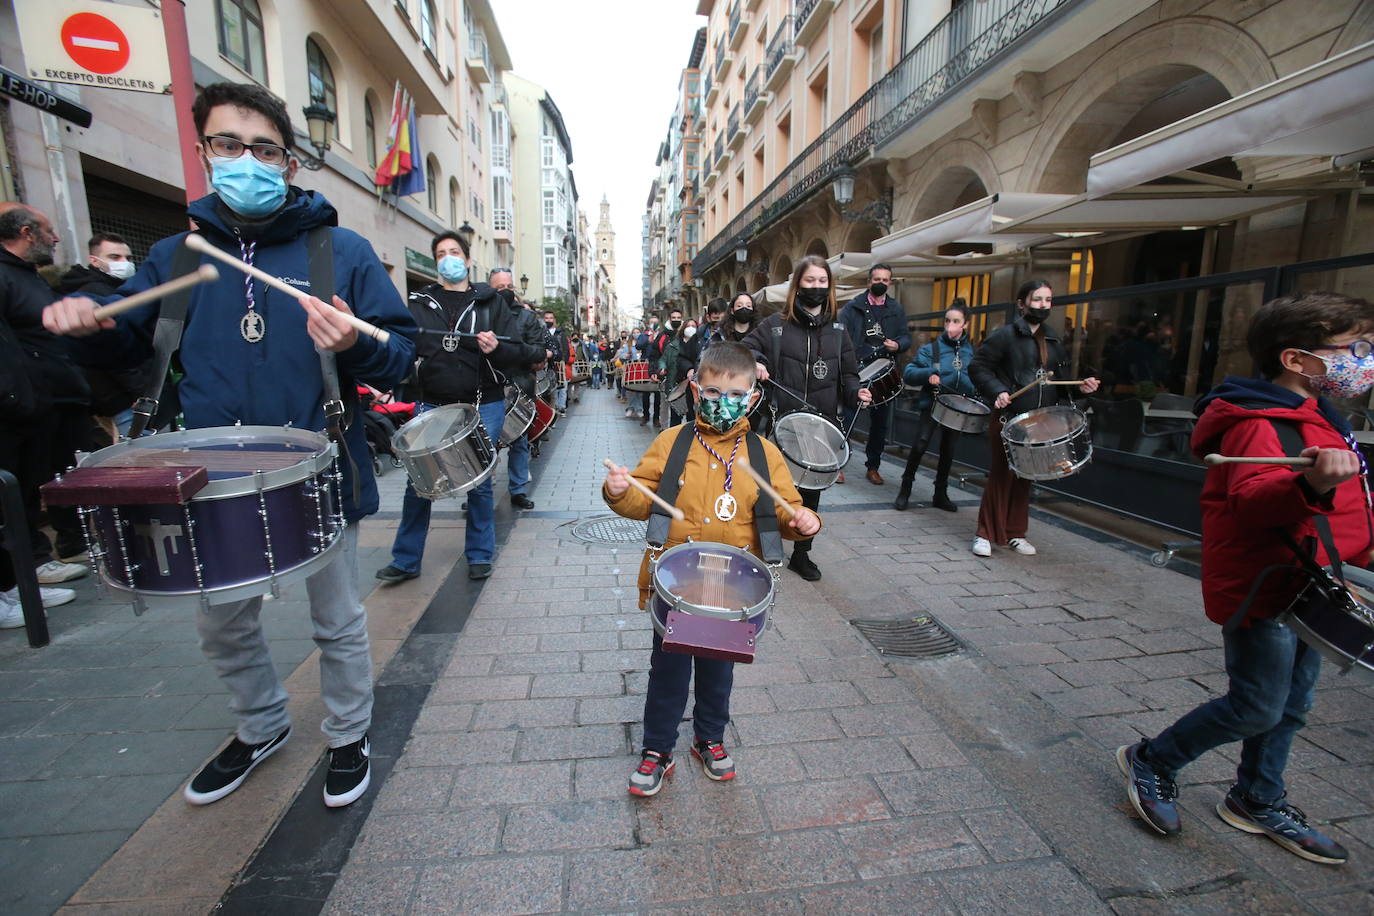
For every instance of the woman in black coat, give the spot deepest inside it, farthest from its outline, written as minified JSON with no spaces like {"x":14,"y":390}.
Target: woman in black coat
{"x":803,"y":349}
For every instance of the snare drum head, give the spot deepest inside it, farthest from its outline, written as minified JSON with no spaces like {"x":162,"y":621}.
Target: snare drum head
{"x":1044,"y":424}
{"x":964,"y":405}
{"x":714,"y":576}
{"x":226,"y":452}
{"x":434,"y":429}
{"x":875,"y":370}
{"x":811,"y":441}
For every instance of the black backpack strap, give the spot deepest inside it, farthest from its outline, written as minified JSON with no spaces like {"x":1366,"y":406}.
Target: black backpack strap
{"x":775,"y":351}
{"x":765,"y":518}
{"x":319,"y":246}
{"x":171,"y":321}
{"x":659,"y":519}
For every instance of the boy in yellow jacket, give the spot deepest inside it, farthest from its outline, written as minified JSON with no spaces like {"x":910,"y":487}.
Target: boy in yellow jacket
{"x":718,"y":508}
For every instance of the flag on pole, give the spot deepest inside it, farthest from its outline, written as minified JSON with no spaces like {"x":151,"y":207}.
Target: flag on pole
{"x":412,"y":178}
{"x":393,"y":162}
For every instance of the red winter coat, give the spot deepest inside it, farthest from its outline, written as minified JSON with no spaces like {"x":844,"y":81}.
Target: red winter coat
{"x":1244,"y":506}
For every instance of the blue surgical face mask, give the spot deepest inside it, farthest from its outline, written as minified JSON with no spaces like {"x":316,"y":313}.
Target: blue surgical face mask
{"x":453,"y":268}
{"x":248,"y":187}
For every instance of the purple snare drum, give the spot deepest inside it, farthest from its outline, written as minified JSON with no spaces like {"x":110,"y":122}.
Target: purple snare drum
{"x":269,"y":514}
{"x":711,"y":600}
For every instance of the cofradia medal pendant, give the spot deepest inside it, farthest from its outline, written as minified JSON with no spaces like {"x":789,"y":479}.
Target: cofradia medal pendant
{"x":450,"y":342}
{"x":820,"y":370}
{"x":725,"y":507}
{"x":251,"y":327}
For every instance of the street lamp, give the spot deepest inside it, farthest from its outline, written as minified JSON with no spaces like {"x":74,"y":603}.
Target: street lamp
{"x":741,"y":254}
{"x":466,"y":232}
{"x":319,"y":120}
{"x":524,"y":284}
{"x":844,"y":185}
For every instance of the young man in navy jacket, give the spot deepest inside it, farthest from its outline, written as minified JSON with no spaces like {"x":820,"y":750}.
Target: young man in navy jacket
{"x":1254,"y":516}
{"x":249,"y":355}
{"x":876,"y":323}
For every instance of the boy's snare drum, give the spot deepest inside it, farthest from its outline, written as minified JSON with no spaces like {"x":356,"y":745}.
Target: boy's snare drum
{"x":1336,"y":620}
{"x":711,"y":600}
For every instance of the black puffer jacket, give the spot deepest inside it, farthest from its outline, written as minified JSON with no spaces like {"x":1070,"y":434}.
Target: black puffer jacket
{"x":1009,"y":359}
{"x":23,"y":296}
{"x":112,"y":390}
{"x":533,"y":333}
{"x":445,"y":377}
{"x":799,"y":348}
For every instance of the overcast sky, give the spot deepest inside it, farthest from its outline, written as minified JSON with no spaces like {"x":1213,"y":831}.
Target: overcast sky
{"x":612,"y":67}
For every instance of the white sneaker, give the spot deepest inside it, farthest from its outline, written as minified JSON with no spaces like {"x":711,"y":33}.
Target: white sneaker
{"x":1022,"y":546}
{"x":11,"y":614}
{"x":982,"y":547}
{"x":52,"y":597}
{"x":55,"y":571}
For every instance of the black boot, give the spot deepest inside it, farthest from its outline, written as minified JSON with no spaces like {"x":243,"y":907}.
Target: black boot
{"x":801,"y":565}
{"x":942,"y":501}
{"x":903,"y":496}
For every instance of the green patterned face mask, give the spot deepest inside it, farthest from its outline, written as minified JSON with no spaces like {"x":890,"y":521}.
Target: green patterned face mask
{"x":725,"y":411}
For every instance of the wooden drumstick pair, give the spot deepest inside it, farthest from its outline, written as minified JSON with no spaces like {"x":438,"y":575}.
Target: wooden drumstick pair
{"x":1043,"y":381}
{"x":199,"y":244}
{"x":204,"y":274}
{"x":675,"y":512}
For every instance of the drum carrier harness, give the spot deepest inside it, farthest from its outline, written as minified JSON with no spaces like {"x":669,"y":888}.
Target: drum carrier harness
{"x":171,"y":322}
{"x":765,"y":523}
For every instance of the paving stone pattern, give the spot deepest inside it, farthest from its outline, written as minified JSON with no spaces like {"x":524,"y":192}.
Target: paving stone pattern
{"x":853,"y":795}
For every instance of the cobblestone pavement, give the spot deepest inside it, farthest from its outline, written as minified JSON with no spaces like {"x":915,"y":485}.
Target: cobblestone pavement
{"x":978,"y":783}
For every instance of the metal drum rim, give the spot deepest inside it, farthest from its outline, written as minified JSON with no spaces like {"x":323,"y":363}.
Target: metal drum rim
{"x":1067,"y":437}
{"x":831,"y":468}
{"x":672,"y":600}
{"x":941,"y":399}
{"x":309,"y":466}
{"x":398,"y":437}
{"x":476,"y":481}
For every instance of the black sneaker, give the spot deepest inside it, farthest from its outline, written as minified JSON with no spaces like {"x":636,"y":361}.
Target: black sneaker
{"x":521,"y":501}
{"x":479,"y":570}
{"x":716,"y":763}
{"x":394,"y":573}
{"x":647,"y":778}
{"x":801,"y":565}
{"x":942,"y":501}
{"x":1152,"y":794}
{"x":230,"y":768}
{"x":1283,"y":823}
{"x":903,"y":498}
{"x":350,"y":773}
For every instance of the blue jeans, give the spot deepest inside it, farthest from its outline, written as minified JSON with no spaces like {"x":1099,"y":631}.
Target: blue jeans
{"x":1272,"y":675}
{"x":518,"y":464}
{"x":670,"y":674}
{"x":480,"y":545}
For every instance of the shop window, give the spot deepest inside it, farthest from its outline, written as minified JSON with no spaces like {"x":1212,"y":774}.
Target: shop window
{"x":321,"y":79}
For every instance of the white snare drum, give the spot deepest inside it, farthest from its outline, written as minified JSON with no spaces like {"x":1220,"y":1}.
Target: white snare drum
{"x":519,"y":416}
{"x":814,"y":448}
{"x":446,"y":451}
{"x":680,"y":398}
{"x":965,"y":415}
{"x":1047,"y":443}
{"x":581,"y":371}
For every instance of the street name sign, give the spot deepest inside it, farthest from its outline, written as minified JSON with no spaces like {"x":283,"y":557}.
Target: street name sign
{"x":21,"y":90}
{"x":91,"y":43}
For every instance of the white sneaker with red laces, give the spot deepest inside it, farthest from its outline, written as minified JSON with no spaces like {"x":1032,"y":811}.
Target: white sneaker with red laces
{"x":647,"y":778}
{"x":716,"y":762}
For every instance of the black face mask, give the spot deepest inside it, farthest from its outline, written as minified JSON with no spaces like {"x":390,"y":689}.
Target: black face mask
{"x":878,"y":290}
{"x":744,"y":315}
{"x":1035,"y":316}
{"x":674,"y":324}
{"x":813,"y":296}
{"x":549,"y":324}
{"x":507,"y":296}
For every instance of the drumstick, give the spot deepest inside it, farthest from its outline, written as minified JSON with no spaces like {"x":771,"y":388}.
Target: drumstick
{"x":1042,"y":380}
{"x":1214,"y":460}
{"x":205,"y":274}
{"x":765,"y":486}
{"x":198,"y":243}
{"x":671,"y":509}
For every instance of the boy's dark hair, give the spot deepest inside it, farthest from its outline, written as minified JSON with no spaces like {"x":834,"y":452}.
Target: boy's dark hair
{"x":101,"y":238}
{"x":1305,"y":322}
{"x":727,"y":358}
{"x":445,"y":236}
{"x":243,"y":95}
{"x":716,"y":306}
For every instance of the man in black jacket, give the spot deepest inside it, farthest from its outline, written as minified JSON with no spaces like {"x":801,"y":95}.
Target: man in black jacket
{"x":531,"y":332}
{"x":454,"y":369}
{"x":876,"y":323}
{"x":38,"y":446}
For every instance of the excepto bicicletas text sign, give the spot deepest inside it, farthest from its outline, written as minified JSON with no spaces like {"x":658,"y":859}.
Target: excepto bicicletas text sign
{"x":91,"y":43}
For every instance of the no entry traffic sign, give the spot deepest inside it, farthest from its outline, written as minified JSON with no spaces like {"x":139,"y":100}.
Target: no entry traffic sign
{"x":95,"y":43}
{"x":90,"y":43}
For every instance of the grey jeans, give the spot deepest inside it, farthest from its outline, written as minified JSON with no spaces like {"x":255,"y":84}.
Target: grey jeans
{"x":231,"y":637}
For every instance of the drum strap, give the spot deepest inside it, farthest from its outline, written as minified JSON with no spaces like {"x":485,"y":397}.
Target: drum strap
{"x":171,"y":319}
{"x":765,"y":519}
{"x":319,"y":246}
{"x":659,"y":519}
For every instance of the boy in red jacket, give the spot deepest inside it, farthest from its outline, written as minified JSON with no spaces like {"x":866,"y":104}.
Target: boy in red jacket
{"x":1303,"y":347}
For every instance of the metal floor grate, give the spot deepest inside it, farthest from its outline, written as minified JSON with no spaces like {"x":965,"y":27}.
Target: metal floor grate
{"x":918,"y":637}
{"x":609,"y":529}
